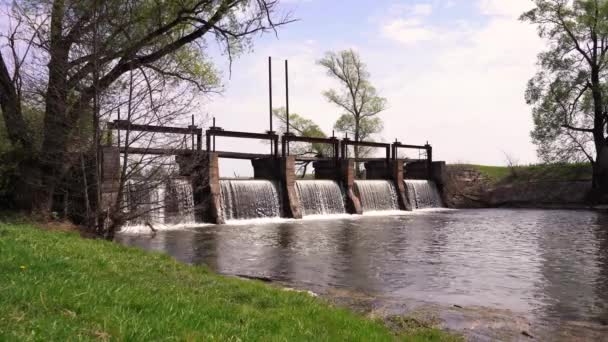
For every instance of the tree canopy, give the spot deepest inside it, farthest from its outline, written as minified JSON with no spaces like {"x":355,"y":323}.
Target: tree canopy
{"x":568,"y":92}
{"x":66,"y":58}
{"x":357,"y":97}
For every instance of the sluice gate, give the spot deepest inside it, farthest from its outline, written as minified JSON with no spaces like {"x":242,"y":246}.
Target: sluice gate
{"x":275,"y":190}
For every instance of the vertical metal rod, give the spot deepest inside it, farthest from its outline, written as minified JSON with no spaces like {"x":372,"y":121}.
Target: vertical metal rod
{"x":276,"y":147}
{"x":192,"y":131}
{"x":270,"y":100}
{"x":287,"y":94}
{"x":118,"y":130}
{"x":287,"y":98}
{"x":270,"y":90}
{"x":388,"y":154}
{"x":214,"y":135}
{"x":283,"y":147}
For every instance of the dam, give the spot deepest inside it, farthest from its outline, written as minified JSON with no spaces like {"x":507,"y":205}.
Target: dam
{"x":199,"y":195}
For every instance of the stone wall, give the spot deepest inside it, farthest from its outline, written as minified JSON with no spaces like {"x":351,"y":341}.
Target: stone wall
{"x":203,"y":170}
{"x":110,"y":172}
{"x":466,"y":187}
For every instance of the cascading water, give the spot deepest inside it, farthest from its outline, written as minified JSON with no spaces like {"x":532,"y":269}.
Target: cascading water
{"x":144,"y":202}
{"x":320,"y":197}
{"x":377,"y":195}
{"x":179,"y":202}
{"x":423,"y":194}
{"x":168,"y":202}
{"x":249,"y":199}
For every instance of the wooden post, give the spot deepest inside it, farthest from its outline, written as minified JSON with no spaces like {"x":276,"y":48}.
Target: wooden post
{"x":276,"y":146}
{"x":429,"y":160}
{"x":283,"y":146}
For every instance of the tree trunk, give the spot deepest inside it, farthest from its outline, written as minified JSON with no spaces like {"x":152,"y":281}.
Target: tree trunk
{"x":600,"y":167}
{"x":56,"y":129}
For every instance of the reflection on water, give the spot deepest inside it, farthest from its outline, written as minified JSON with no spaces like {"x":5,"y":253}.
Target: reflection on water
{"x":547,"y":265}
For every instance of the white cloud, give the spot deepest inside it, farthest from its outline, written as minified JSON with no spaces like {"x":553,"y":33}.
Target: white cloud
{"x":462,"y":88}
{"x":422,"y":9}
{"x":508,"y":8}
{"x":407,"y":31}
{"x":407,"y":24}
{"x":460,"y":85}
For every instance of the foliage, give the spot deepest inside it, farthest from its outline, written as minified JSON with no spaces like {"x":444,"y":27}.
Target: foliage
{"x":568,"y":92}
{"x":71,"y":58}
{"x":368,"y":127}
{"x":358,"y":98}
{"x":58,"y":286}
{"x":305,"y":128}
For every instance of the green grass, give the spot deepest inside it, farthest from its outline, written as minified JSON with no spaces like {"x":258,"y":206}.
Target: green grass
{"x":57,"y":286}
{"x":540,"y":172}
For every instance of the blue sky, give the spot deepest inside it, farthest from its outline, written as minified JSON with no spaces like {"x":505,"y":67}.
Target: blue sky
{"x":453,"y":71}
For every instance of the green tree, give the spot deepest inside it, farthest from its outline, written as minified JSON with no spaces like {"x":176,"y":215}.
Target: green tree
{"x":368,"y":127}
{"x":305,"y":128}
{"x":87,"y":46}
{"x":568,"y":93}
{"x":357,"y":97}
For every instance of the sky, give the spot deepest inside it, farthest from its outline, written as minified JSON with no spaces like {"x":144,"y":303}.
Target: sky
{"x":454,"y":73}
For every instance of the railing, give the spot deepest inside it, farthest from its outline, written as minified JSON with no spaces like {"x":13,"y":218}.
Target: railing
{"x":340,"y":147}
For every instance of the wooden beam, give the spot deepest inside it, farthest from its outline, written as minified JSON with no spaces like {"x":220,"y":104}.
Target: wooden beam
{"x":411,"y":146}
{"x":245,"y":135}
{"x":317,"y":140}
{"x":169,"y":152}
{"x":126,"y":125}
{"x":366,"y":143}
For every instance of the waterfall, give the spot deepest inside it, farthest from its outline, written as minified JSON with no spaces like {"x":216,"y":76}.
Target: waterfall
{"x":249,"y":199}
{"x":168,"y":202}
{"x":320,"y":197}
{"x":423,"y":194}
{"x":144,"y":201}
{"x":179,"y":202}
{"x":377,"y":195}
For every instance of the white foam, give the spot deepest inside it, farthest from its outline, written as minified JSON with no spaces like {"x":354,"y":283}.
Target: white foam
{"x":387,"y":213}
{"x":143,"y":229}
{"x":261,"y":220}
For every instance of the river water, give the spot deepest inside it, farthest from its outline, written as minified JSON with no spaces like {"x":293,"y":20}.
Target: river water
{"x":544,"y":272}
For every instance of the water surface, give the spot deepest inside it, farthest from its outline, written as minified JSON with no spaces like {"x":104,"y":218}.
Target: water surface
{"x":549,"y":266}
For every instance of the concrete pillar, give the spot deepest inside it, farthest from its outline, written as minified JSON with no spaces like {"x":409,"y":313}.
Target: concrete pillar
{"x":379,"y":169}
{"x":203,"y":170}
{"x":282,"y":170}
{"x":343,"y":172}
{"x":291,"y":201}
{"x":215,"y":196}
{"x":397,"y":177}
{"x":439,"y":172}
{"x":110,"y":173}
{"x":347,"y":177}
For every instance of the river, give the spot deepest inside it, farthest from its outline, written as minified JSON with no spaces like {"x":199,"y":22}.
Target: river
{"x":490,"y":274}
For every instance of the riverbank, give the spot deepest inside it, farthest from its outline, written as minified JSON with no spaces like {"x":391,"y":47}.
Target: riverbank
{"x":58,"y":286}
{"x":564,"y":186}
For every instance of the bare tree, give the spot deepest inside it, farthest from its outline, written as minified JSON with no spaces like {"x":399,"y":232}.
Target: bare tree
{"x":358,"y":98}
{"x":76,"y":50}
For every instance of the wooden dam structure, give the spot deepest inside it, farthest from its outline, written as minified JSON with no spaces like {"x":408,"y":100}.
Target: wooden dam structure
{"x":200,"y":165}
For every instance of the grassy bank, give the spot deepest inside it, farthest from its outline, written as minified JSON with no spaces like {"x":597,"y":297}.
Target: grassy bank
{"x":59,"y":286}
{"x":533,"y":173}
